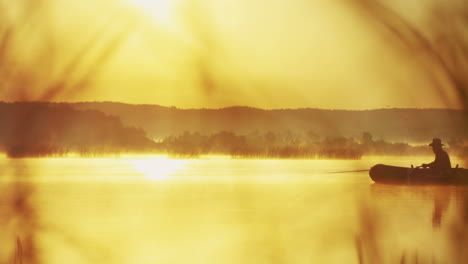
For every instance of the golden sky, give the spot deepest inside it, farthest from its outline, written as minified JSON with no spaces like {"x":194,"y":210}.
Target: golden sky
{"x":217,"y":53}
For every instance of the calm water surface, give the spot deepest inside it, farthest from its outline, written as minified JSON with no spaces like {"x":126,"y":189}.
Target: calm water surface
{"x":150,"y":209}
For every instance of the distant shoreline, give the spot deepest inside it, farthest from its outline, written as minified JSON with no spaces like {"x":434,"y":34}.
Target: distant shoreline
{"x":233,"y":106}
{"x":204,"y":156}
{"x":93,"y":129}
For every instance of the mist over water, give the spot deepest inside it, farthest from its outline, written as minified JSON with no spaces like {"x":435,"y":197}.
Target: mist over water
{"x":144,"y":209}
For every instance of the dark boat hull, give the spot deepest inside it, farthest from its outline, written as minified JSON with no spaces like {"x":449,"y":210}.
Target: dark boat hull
{"x":400,"y":175}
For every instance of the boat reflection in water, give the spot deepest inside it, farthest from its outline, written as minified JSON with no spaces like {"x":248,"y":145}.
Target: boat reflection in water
{"x":399,"y":224}
{"x":218,"y":210}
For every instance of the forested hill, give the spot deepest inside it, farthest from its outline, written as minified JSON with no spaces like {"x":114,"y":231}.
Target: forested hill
{"x":43,"y":129}
{"x":404,"y":125}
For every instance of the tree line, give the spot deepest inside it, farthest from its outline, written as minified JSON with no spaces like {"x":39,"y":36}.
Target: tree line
{"x":289,"y":145}
{"x":57,"y":130}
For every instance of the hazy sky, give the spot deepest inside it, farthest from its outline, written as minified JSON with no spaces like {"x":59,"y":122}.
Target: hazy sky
{"x":217,"y":53}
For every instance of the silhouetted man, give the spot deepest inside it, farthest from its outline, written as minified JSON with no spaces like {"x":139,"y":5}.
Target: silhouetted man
{"x":442,"y":160}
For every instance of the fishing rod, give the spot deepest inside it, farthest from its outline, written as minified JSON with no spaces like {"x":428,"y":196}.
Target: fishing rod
{"x":334,"y":172}
{"x":412,"y":167}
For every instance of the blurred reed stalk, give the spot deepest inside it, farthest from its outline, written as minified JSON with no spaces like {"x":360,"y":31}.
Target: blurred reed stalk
{"x":40,"y":78}
{"x":438,"y":45}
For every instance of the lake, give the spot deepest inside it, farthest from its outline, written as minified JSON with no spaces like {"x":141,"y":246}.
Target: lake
{"x":152,"y":209}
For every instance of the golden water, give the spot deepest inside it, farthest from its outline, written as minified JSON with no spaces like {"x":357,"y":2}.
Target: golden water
{"x":150,"y":209}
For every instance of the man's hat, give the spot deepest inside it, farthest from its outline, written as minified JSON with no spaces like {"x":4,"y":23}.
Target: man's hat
{"x":436,"y":142}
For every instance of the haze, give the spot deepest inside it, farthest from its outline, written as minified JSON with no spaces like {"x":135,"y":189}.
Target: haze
{"x":218,"y":53}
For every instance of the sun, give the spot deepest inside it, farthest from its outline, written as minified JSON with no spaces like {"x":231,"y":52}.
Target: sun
{"x":161,"y":11}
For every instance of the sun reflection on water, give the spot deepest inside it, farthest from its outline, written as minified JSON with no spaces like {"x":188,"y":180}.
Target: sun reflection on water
{"x":159,"y":168}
